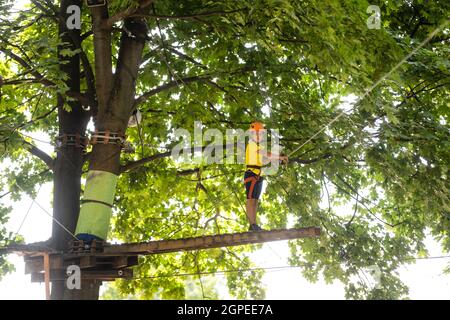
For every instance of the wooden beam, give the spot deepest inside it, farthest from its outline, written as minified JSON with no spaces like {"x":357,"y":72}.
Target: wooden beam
{"x":25,"y":249}
{"x":47,"y":275}
{"x":207,"y":242}
{"x":36,"y":263}
{"x":102,"y":275}
{"x":60,"y":262}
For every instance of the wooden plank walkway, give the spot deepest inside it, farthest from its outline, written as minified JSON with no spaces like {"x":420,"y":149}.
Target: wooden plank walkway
{"x":110,"y":261}
{"x":208,"y":242}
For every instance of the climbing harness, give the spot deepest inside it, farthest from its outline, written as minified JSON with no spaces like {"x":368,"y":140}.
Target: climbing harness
{"x":254,"y":167}
{"x":253,"y":180}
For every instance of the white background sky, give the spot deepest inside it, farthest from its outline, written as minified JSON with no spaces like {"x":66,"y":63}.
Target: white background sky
{"x":424,"y":278}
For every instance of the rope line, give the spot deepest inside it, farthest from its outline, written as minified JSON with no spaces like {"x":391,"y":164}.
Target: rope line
{"x":424,"y":42}
{"x":48,"y":213}
{"x":26,"y":214}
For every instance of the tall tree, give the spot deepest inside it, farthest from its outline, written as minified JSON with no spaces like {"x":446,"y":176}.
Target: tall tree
{"x":225,"y":63}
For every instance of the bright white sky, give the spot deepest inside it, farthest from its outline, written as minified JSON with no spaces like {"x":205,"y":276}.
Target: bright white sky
{"x":425,"y":278}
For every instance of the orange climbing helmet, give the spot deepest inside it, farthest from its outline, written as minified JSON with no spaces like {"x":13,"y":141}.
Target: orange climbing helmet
{"x":257,"y":126}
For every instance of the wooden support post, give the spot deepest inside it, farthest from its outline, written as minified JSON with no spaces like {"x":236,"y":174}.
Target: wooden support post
{"x":47,"y":275}
{"x":36,"y":263}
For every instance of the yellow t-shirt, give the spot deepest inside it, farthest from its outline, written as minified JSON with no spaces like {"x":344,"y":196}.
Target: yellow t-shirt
{"x":253,"y":157}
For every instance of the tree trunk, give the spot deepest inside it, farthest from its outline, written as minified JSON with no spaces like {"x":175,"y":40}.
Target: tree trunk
{"x":115,"y":95}
{"x":68,"y":167}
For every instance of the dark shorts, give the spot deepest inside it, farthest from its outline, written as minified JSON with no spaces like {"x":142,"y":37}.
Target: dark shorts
{"x":255,"y":191}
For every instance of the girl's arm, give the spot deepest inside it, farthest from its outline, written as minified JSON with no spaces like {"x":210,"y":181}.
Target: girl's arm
{"x":271,"y":156}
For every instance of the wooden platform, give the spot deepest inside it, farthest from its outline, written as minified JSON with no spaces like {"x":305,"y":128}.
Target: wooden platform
{"x":107,"y":262}
{"x":214,"y":241}
{"x":93,"y":264}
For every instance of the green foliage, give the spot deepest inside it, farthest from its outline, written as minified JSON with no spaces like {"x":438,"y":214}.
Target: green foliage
{"x":389,"y":155}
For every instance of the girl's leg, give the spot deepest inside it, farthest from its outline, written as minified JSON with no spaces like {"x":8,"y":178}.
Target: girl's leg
{"x":251,"y":210}
{"x":255,"y":207}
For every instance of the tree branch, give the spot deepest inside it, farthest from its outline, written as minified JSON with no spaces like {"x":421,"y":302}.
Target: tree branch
{"x":103,"y":56}
{"x":141,"y":99}
{"x":193,"y":16}
{"x":128,"y":13}
{"x":20,"y":81}
{"x":86,"y":35}
{"x":326,"y":155}
{"x":363,"y":200}
{"x":188,"y":172}
{"x":38,"y":77}
{"x":186,"y":57}
{"x":83,"y":98}
{"x":187,"y":80}
{"x":90,"y":78}
{"x":48,"y":160}
{"x":22,"y":51}
{"x":309,"y":161}
{"x":76,"y":41}
{"x":132,"y":42}
{"x":135,"y":164}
